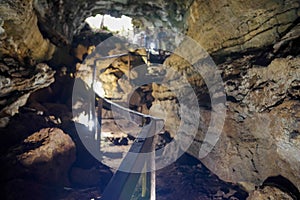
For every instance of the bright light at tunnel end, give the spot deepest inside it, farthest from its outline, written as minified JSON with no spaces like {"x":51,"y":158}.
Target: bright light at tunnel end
{"x":203,"y":64}
{"x":123,"y":25}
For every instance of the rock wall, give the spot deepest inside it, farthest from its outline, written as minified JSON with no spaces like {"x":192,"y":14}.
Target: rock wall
{"x":260,"y":137}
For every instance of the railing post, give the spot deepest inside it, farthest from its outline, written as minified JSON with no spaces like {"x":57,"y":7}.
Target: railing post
{"x":123,"y":184}
{"x":153,"y":168}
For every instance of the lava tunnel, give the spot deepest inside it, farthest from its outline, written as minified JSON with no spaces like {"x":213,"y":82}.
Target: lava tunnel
{"x":284,"y":184}
{"x":127,"y":99}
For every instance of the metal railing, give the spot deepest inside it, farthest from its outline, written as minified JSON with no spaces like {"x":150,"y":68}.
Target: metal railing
{"x":123,"y":183}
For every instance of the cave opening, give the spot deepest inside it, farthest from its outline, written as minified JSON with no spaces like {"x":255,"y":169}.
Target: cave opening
{"x":122,"y":25}
{"x":283,"y":184}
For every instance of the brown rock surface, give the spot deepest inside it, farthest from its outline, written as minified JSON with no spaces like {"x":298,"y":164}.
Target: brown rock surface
{"x":236,"y":26}
{"x":17,"y":82}
{"x":48,"y":156}
{"x":39,"y":165}
{"x":260,"y":134}
{"x":21,"y":36}
{"x":269,"y":193}
{"x":259,"y":137}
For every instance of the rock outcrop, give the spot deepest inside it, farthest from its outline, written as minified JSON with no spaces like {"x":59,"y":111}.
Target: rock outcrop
{"x":17,"y":82}
{"x":62,"y":19}
{"x":262,"y":120}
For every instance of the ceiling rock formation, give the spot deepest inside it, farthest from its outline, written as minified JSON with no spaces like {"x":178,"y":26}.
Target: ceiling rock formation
{"x":260,"y":137}
{"x":20,"y":35}
{"x":221,"y":28}
{"x":64,"y":18}
{"x":31,"y":28}
{"x":236,"y":26}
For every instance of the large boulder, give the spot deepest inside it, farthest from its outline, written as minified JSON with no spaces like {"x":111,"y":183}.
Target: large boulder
{"x":45,"y":156}
{"x":48,"y":156}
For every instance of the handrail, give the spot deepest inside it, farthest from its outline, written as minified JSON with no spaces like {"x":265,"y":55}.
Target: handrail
{"x":113,"y":103}
{"x":93,"y":113}
{"x":131,"y":111}
{"x":119,"y":55}
{"x":123,"y":184}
